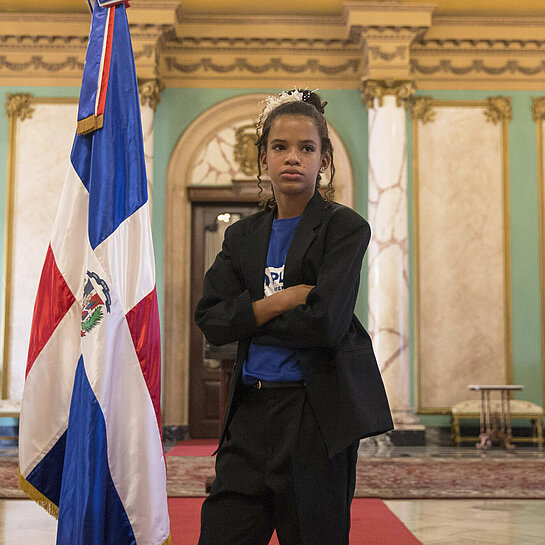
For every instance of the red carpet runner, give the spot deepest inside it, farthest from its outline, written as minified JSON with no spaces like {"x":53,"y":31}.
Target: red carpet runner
{"x":372,"y":523}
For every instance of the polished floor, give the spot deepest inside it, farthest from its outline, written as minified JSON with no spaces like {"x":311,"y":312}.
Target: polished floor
{"x":433,"y":522}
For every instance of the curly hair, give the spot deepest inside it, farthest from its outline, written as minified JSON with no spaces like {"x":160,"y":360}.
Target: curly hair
{"x":312,"y":107}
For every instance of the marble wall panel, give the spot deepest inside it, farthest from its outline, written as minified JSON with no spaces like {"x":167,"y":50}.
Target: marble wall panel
{"x":42,"y":151}
{"x":461,"y":297}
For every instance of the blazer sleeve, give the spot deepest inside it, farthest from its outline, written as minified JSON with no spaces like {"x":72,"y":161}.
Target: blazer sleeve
{"x":325,"y":318}
{"x":224,"y":312}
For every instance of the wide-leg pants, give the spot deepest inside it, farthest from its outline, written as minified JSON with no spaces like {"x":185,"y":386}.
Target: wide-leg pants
{"x":273,"y":472}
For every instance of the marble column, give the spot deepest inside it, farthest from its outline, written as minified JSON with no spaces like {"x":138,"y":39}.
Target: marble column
{"x":388,"y":249}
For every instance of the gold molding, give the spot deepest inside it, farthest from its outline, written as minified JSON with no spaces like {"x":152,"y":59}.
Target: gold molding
{"x":422,"y":109}
{"x":150,"y":93}
{"x":403,"y":90}
{"x":503,"y":111}
{"x":538,"y":109}
{"x":498,"y":109}
{"x":245,"y":151}
{"x":18,"y":106}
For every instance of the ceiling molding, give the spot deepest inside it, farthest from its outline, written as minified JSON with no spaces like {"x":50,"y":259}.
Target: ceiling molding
{"x":192,"y":50}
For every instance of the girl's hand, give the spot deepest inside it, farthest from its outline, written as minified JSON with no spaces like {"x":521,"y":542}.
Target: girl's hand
{"x":270,"y":307}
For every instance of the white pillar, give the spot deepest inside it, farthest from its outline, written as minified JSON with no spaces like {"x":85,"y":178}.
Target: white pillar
{"x":150,"y":96}
{"x":147,"y":113}
{"x":388,"y":253}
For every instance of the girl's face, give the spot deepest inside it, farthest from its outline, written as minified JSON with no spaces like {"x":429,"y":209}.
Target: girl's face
{"x":293,"y":156}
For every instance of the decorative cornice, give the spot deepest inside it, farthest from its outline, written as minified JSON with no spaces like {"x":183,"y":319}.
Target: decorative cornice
{"x":378,"y":53}
{"x":538,"y":108}
{"x":422,"y":109}
{"x":246,"y":42}
{"x":19,"y":106}
{"x":477,"y":66}
{"x":498,"y":109}
{"x":242,"y":65}
{"x":150,"y":93}
{"x":38,"y":63}
{"x":402,"y":90}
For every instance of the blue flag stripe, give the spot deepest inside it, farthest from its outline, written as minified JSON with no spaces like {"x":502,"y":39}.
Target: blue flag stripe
{"x":109,"y":161}
{"x":90,"y":510}
{"x":91,"y":69}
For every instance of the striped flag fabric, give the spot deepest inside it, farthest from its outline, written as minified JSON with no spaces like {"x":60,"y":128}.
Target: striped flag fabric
{"x":90,"y":447}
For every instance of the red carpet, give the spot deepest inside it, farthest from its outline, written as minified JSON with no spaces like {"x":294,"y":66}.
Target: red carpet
{"x":372,"y":523}
{"x":194,"y":447}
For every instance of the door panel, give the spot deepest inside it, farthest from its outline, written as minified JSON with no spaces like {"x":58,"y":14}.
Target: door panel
{"x":209,"y":222}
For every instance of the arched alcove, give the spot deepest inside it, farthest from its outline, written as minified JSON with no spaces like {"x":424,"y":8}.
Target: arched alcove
{"x":177,"y":313}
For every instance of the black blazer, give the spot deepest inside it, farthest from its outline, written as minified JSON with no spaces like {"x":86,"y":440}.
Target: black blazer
{"x":339,"y":369}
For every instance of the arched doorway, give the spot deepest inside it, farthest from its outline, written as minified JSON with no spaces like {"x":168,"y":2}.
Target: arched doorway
{"x":201,"y":162}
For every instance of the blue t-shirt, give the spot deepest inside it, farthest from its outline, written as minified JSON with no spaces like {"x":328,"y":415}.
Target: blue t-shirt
{"x":270,"y":362}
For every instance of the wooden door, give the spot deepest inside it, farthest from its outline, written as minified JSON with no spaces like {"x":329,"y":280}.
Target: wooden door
{"x":209,"y":221}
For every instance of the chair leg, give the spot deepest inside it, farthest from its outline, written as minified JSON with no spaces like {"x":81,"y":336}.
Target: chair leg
{"x":455,"y":430}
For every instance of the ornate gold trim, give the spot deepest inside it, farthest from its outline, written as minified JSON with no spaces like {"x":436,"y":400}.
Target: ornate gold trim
{"x":245,"y":152}
{"x":150,"y":93}
{"x":498,"y":109}
{"x":18,"y":106}
{"x":275,"y":64}
{"x":416,"y":264}
{"x":502,"y":109}
{"x":8,"y":253}
{"x":538,"y":109}
{"x":403,"y":90}
{"x":422,"y":109}
{"x":477,"y":66}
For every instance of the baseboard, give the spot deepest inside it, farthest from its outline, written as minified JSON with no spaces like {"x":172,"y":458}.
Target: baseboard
{"x":173,"y":434}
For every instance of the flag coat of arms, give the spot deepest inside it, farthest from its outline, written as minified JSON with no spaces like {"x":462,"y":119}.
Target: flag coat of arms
{"x":90,"y":448}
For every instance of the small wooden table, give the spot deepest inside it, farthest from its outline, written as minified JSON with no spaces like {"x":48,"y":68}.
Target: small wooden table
{"x":490,"y":429}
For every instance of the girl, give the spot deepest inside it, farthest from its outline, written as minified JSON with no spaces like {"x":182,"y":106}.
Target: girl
{"x":305,"y":386}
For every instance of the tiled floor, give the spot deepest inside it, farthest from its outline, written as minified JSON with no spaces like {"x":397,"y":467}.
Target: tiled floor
{"x":433,"y":522}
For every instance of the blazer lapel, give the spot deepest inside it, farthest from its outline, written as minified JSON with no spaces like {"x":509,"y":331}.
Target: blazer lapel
{"x":255,"y":254}
{"x":304,"y":234}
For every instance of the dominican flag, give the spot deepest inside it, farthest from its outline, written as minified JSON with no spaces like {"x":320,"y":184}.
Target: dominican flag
{"x":90,"y":448}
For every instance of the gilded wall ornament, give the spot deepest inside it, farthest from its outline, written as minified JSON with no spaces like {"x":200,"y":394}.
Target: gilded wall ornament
{"x":498,"y":108}
{"x":19,"y":105}
{"x":403,"y":90}
{"x":422,"y":109}
{"x":245,"y":151}
{"x":150,"y":93}
{"x":538,"y":108}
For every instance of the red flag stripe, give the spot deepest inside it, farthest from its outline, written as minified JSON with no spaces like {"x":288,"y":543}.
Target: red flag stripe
{"x":143,"y":321}
{"x":53,"y":301}
{"x":106,"y":62}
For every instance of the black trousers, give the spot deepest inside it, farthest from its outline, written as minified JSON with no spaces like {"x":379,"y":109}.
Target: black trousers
{"x":273,"y":472}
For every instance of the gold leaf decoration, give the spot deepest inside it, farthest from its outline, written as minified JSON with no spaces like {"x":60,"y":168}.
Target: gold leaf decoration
{"x":403,"y":90}
{"x":150,"y":93}
{"x":538,"y":108}
{"x":19,"y":105}
{"x":498,"y":108}
{"x":245,"y":151}
{"x":422,"y":109}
